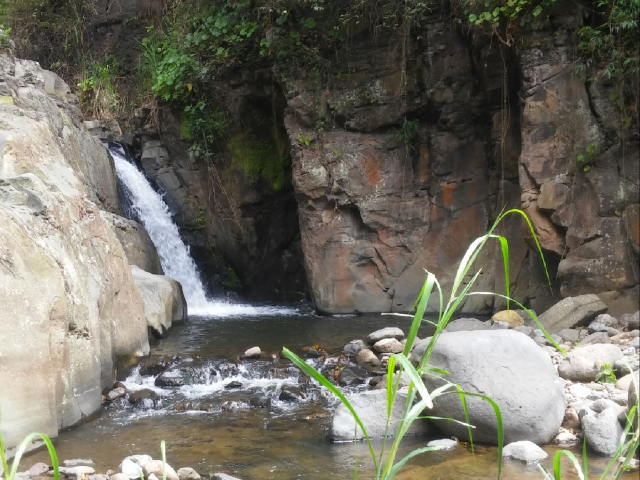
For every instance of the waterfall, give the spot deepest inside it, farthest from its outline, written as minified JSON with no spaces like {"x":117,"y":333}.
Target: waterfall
{"x":149,"y":208}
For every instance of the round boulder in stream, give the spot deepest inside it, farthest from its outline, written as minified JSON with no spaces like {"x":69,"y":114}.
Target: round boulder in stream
{"x":145,"y":398}
{"x":511,"y":369}
{"x":291,"y":394}
{"x":352,"y":375}
{"x":185,"y":373}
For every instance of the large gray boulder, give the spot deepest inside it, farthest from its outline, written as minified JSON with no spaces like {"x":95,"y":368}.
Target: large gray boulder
{"x":572,"y":312}
{"x":601,"y":427}
{"x":164,"y":302}
{"x":511,"y":369}
{"x":68,"y":305}
{"x":371,"y":407}
{"x":466,"y":325}
{"x":583,"y":363}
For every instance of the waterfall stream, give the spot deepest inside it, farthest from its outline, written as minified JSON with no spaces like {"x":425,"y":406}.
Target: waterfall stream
{"x":150,"y":209}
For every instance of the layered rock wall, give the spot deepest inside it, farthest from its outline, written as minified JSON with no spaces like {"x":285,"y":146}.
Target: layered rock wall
{"x":69,"y":308}
{"x":379,"y":205}
{"x":584,"y":212}
{"x":493,"y":128}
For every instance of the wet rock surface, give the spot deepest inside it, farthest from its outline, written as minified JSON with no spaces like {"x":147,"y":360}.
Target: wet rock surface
{"x":527,"y":387}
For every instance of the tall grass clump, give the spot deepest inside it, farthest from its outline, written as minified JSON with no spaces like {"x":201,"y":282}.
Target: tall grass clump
{"x":10,"y":474}
{"x":417,"y":398}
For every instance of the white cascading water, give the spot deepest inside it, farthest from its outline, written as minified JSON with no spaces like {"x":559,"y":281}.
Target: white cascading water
{"x":175,"y":258}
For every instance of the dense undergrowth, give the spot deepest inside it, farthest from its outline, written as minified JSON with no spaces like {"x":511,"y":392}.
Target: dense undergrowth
{"x":191,"y":43}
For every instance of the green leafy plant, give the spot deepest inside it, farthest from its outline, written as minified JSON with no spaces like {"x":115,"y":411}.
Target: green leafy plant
{"x":503,"y":18}
{"x":417,"y":398}
{"x":5,"y":37}
{"x":408,"y":131}
{"x":195,"y":44}
{"x":606,"y":374}
{"x":585,"y":160}
{"x":306,"y":141}
{"x":98,"y":91}
{"x":202,"y":124}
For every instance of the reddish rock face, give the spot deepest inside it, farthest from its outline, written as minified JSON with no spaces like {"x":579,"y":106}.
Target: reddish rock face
{"x":488,"y":128}
{"x":375,"y":213}
{"x":586,"y":211}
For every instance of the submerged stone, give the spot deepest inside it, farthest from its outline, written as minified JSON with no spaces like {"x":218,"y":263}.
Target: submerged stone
{"x":524,"y":451}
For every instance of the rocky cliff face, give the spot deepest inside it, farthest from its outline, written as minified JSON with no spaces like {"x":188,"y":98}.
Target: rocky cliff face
{"x":375,"y":211}
{"x":402,"y":157}
{"x":70,"y":308}
{"x":587,"y":216}
{"x":379,"y":204}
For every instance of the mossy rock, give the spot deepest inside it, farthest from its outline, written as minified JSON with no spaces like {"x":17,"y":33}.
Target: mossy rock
{"x":260,"y":157}
{"x":232,"y":282}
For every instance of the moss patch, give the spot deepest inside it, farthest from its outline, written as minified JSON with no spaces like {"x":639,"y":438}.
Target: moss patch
{"x":260,"y":156}
{"x":232,"y":282}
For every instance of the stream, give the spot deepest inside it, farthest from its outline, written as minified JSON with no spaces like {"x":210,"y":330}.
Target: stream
{"x":236,"y":431}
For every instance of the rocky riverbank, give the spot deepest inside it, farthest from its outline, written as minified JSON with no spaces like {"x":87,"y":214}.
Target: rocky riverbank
{"x":207,"y":403}
{"x":547,"y":396}
{"x":134,"y":467}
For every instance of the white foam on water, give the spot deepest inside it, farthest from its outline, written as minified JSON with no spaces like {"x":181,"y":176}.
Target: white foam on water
{"x":224,"y":309}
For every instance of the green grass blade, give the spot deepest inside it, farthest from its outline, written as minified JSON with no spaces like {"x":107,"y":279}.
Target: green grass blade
{"x":445,"y":317}
{"x":533,"y":316}
{"x":415,"y":379}
{"x":504,"y":244}
{"x":585,"y":461}
{"x":396,"y":468}
{"x":3,"y":459}
{"x":466,"y":262}
{"x":449,"y":419}
{"x":429,"y":370}
{"x":417,"y":319}
{"x":533,"y":233}
{"x":465,"y":410}
{"x":313,"y":373}
{"x":391,"y":368}
{"x":622,"y":447}
{"x":23,"y":446}
{"x":547,"y":475}
{"x":499,"y":423}
{"x":557,"y":464}
{"x":405,"y":423}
